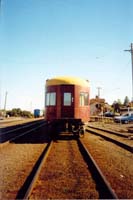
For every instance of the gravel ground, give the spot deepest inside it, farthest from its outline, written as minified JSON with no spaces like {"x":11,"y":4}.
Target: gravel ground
{"x":16,"y":164}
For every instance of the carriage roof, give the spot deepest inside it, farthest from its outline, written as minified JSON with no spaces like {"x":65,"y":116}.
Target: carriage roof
{"x":67,"y":80}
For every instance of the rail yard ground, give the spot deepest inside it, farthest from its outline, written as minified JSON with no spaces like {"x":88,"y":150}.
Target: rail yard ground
{"x":61,"y":179}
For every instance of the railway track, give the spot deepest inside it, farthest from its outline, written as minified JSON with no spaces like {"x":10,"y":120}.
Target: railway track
{"x":119,"y":139}
{"x":6,"y":123}
{"x":14,"y":132}
{"x":69,"y":172}
{"x":65,"y":173}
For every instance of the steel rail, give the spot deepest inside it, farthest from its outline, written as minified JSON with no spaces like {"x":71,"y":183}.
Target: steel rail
{"x":105,"y":189}
{"x":26,"y":132}
{"x":22,"y":126}
{"x":12,"y":138}
{"x":26,"y":189}
{"x":109,"y":131}
{"x":121,"y":144}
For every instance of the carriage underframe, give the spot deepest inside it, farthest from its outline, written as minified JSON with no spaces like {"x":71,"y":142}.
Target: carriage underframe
{"x":68,"y":125}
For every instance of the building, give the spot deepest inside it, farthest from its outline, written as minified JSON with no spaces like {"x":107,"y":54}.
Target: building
{"x":98,"y":106}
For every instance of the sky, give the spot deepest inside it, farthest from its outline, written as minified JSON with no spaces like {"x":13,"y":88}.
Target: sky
{"x":41,"y":39}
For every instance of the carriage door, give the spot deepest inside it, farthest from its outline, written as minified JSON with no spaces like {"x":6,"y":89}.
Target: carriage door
{"x":67,"y":101}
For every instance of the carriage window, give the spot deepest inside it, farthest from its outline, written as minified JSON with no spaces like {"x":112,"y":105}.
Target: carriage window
{"x":51,"y":99}
{"x":84,"y":97}
{"x":67,"y":99}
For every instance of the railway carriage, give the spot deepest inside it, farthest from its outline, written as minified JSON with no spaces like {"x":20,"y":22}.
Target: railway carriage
{"x":67,"y":103}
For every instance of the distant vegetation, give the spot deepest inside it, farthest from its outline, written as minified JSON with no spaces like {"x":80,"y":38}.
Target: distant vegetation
{"x":17,"y":112}
{"x":99,"y":106}
{"x":118,"y":106}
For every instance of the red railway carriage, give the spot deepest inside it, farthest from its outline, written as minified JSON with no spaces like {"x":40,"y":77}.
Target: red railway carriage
{"x":67,"y":100}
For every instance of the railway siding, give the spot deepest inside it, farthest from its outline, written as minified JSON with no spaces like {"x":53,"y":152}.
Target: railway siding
{"x":15,"y":121}
{"x":65,"y":175}
{"x":112,"y":134}
{"x":115,"y":163}
{"x":20,"y":130}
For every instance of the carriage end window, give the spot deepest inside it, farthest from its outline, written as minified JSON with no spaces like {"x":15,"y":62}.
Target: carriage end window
{"x":51,"y":99}
{"x":84,"y":99}
{"x":67,"y":99}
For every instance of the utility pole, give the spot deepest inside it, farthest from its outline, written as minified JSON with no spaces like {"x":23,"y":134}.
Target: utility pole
{"x":5,"y":104}
{"x":131,"y":51}
{"x":99,"y":88}
{"x":0,"y":95}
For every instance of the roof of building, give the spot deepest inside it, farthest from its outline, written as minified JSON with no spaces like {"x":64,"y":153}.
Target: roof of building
{"x":97,"y":100}
{"x":67,"y":80}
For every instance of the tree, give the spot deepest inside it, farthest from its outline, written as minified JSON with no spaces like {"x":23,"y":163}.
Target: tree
{"x":116,"y":106}
{"x":17,"y":112}
{"x":126,"y":101}
{"x":119,"y":102}
{"x":26,"y":113}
